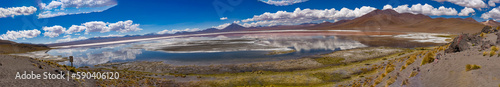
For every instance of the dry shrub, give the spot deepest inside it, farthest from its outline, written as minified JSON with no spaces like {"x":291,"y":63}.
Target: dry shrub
{"x":391,"y":80}
{"x":411,"y":60}
{"x":378,"y":80}
{"x":389,"y":68}
{"x":492,"y":53}
{"x":485,"y":53}
{"x":405,"y":82}
{"x":403,"y":67}
{"x":482,"y":34}
{"x":412,"y":74}
{"x":470,"y":67}
{"x":494,"y":48}
{"x":429,"y":58}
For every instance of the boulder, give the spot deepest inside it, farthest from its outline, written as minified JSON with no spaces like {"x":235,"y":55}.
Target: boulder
{"x":487,"y":29}
{"x":498,"y":38}
{"x":459,"y":44}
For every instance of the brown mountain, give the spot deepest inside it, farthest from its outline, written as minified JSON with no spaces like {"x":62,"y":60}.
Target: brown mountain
{"x":470,"y":19}
{"x":491,"y":23}
{"x":390,"y":20}
{"x":233,"y":27}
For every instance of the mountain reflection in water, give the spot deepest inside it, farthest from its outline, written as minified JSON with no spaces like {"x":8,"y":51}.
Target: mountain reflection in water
{"x":207,"y":50}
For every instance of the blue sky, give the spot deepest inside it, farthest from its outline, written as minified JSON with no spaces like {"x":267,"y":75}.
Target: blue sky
{"x":153,"y":16}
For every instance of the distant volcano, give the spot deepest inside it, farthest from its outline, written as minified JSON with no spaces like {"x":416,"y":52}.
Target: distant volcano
{"x":390,"y":20}
{"x":491,"y":23}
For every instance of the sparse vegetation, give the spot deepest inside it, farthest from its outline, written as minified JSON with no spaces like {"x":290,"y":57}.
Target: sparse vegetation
{"x":391,"y":80}
{"x":280,"y":52}
{"x":403,"y":67}
{"x":470,"y":67}
{"x":330,"y":77}
{"x":492,"y":53}
{"x":405,"y":82}
{"x":413,"y":74}
{"x":389,"y":68}
{"x":485,"y":53}
{"x":482,"y":34}
{"x":429,"y":58}
{"x":494,"y":48}
{"x":329,"y":60}
{"x":378,"y":80}
{"x":411,"y":60}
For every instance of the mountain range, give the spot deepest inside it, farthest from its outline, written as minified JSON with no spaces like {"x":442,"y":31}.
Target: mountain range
{"x":377,"y":20}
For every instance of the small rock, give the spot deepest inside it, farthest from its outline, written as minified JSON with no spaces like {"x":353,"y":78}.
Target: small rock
{"x":0,"y":64}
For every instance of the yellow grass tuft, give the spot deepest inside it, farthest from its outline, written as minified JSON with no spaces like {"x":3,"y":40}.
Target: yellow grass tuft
{"x":470,"y":67}
{"x":429,"y":58}
{"x":378,"y":80}
{"x":413,"y":74}
{"x":384,"y":74}
{"x":494,"y":48}
{"x":389,"y":68}
{"x":405,"y":82}
{"x":390,"y":81}
{"x":484,"y":53}
{"x":492,"y":53}
{"x":498,"y":28}
{"x":482,"y":34}
{"x":411,"y":60}
{"x":403,"y":67}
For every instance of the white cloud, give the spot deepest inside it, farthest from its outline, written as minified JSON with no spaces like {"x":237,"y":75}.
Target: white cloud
{"x":304,"y":16}
{"x":75,"y":28}
{"x":492,"y":3}
{"x":93,"y":26}
{"x":282,"y":2}
{"x":425,"y":9}
{"x":14,"y":11}
{"x":70,"y":7}
{"x":494,"y":14}
{"x":96,"y":26}
{"x":299,"y":16}
{"x":223,"y":18}
{"x":175,"y":31}
{"x":68,"y":39}
{"x":14,"y":35}
{"x":466,"y":11}
{"x":387,"y":7}
{"x":222,"y":26}
{"x":53,"y":31}
{"x":124,"y":26}
{"x":77,"y":4}
{"x":67,"y":36}
{"x":467,"y":3}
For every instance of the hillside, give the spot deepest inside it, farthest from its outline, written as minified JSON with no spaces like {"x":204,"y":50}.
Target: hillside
{"x":7,"y":47}
{"x":491,"y":23}
{"x":390,"y":20}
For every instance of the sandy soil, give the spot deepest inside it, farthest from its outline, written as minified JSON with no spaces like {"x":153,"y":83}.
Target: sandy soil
{"x":450,"y":70}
